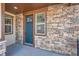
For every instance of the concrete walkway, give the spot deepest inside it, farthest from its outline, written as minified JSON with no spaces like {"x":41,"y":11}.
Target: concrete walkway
{"x":19,"y":50}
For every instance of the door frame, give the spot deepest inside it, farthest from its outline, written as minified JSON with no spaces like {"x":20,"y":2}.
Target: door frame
{"x":24,"y":29}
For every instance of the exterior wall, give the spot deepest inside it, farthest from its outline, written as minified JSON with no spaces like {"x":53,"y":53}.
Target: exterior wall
{"x":11,"y":38}
{"x":62,"y":29}
{"x":19,"y":28}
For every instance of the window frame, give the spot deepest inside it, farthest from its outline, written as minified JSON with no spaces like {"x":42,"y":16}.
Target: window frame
{"x":9,"y":17}
{"x":41,"y":23}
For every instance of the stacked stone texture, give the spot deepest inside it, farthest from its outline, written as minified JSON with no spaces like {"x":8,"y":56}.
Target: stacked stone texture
{"x":62,"y":30}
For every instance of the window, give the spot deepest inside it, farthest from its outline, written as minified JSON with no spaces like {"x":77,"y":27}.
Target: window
{"x":8,"y":24}
{"x":40,"y":24}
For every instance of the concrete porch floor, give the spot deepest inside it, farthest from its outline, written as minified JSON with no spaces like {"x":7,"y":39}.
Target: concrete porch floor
{"x":23,"y":50}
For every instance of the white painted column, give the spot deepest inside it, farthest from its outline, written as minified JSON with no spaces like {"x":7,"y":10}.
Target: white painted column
{"x":0,"y":21}
{"x":2,"y":9}
{"x":2,"y":40}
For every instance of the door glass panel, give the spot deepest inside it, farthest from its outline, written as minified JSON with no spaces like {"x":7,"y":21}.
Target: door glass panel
{"x":29,"y":19}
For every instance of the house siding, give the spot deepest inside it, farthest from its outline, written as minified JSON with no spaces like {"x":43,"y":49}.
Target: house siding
{"x":19,"y":28}
{"x":62,"y":29}
{"x":11,"y":38}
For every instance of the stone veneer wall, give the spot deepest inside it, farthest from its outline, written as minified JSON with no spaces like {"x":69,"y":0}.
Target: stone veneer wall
{"x":62,"y":30}
{"x":19,"y":28}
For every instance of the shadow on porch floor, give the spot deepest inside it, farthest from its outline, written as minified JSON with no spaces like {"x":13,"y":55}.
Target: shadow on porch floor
{"x":19,"y":50}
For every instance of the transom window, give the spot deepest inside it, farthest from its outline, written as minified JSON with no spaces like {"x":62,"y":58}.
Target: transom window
{"x":8,"y":24}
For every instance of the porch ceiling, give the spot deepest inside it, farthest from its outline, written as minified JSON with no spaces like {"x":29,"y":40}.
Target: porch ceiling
{"x":24,"y":7}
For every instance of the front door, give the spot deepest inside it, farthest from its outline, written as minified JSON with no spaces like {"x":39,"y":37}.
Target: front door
{"x":29,"y":30}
